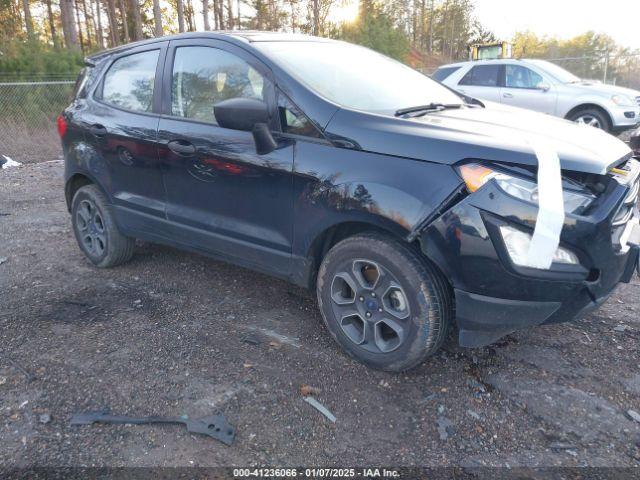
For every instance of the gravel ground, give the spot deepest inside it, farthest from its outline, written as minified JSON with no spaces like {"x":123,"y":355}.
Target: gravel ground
{"x":173,"y":333}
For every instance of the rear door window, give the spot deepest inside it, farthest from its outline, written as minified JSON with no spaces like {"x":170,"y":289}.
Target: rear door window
{"x":444,"y":72}
{"x":129,"y":81}
{"x":482,"y":76}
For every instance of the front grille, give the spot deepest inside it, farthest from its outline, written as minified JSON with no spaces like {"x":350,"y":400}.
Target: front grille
{"x":630,"y":177}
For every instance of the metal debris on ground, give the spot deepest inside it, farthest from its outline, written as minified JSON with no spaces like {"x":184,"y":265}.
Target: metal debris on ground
{"x":3,"y":259}
{"x":321,"y":408}
{"x":215,"y":426}
{"x":633,"y":415}
{"x":45,"y":418}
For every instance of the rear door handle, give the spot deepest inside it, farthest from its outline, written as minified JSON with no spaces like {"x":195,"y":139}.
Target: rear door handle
{"x":181,"y":147}
{"x":98,"y":130}
{"x":507,"y":95}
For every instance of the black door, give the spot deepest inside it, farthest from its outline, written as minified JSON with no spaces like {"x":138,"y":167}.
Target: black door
{"x":121,"y":124}
{"x":222,"y":196}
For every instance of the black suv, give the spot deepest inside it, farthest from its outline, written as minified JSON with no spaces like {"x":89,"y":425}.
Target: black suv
{"x":408,"y":207}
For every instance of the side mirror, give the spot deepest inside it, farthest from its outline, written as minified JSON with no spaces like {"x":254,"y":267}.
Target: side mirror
{"x":544,"y":86}
{"x":241,"y":113}
{"x":248,"y":115}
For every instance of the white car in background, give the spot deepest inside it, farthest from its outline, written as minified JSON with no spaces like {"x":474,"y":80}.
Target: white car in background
{"x":545,"y":87}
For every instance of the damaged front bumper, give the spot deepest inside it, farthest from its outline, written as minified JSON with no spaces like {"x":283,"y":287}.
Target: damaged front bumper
{"x":495,"y":297}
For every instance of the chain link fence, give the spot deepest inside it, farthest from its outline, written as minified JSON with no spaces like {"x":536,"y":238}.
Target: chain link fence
{"x":28,"y":112}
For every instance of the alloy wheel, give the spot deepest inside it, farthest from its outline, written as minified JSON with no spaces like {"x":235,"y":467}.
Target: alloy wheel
{"x":370,"y":305}
{"x":589,"y":120}
{"x":90,"y":225}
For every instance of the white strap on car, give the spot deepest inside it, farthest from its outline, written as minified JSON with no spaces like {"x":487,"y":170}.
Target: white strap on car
{"x":550,"y":219}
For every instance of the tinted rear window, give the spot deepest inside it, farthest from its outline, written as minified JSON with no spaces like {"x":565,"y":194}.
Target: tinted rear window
{"x":443,"y":72}
{"x":482,"y":76}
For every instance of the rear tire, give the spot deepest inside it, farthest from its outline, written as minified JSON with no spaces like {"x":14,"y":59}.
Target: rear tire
{"x":387,"y":306}
{"x":96,"y":231}
{"x":592,"y":117}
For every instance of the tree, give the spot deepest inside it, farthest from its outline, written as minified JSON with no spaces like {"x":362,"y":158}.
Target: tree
{"x":180,"y":12}
{"x":375,"y":29}
{"x":68,"y":25}
{"x":28,"y":20}
{"x":137,"y":20}
{"x":157,"y":19}
{"x":98,"y":14}
{"x":125,"y":23}
{"x":76,"y":8}
{"x":52,"y":25}
{"x":205,"y":14}
{"x":113,"y":23}
{"x":230,"y":20}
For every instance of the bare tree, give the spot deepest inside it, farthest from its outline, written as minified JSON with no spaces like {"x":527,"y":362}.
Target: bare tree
{"x":230,"y":19}
{"x":114,"y":37}
{"x":219,"y":6}
{"x":239,"y":17}
{"x":87,"y":23}
{"x":180,"y":9}
{"x":189,"y":14}
{"x":52,"y":25}
{"x":137,"y":20}
{"x":157,"y":18}
{"x":98,"y":15}
{"x":205,"y":14}
{"x":28,"y":21}
{"x":69,"y":30}
{"x":74,"y":6}
{"x":315,"y":4}
{"x":125,"y":22}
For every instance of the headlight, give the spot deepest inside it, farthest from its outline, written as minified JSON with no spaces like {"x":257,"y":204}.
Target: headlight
{"x":475,"y":176}
{"x":623,"y":101}
{"x":518,"y":242}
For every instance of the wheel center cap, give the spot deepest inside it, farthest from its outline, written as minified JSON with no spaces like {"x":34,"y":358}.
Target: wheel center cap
{"x":371,"y":304}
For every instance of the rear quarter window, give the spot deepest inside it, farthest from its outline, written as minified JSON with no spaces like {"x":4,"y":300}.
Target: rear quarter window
{"x":84,"y":81}
{"x":444,"y":72}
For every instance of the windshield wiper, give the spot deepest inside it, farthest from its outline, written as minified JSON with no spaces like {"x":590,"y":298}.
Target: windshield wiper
{"x":424,"y":109}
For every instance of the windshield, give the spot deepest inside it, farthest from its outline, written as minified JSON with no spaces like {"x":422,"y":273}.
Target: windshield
{"x":556,"y":71}
{"x":356,"y":77}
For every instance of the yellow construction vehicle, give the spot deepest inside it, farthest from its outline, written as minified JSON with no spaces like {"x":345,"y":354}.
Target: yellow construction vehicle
{"x":489,"y":51}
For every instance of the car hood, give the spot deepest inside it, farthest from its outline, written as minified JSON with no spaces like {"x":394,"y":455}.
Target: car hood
{"x":495,"y":133}
{"x":596,"y":87}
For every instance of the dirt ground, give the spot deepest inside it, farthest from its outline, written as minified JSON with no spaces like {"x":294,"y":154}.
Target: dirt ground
{"x":173,"y":333}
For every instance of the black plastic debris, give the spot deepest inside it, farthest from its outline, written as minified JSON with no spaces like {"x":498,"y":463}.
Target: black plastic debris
{"x":215,"y":426}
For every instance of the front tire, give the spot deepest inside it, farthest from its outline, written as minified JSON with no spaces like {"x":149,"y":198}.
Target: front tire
{"x":384,"y":304}
{"x":96,"y":231}
{"x":592,"y":117}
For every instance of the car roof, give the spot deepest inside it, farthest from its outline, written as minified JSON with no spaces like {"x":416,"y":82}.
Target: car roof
{"x":236,"y":36}
{"x":497,"y":61}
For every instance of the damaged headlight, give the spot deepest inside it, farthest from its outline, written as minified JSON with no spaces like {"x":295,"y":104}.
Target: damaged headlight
{"x":475,"y":176}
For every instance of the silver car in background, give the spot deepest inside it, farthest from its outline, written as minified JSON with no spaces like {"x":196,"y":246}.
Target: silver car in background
{"x":545,"y":87}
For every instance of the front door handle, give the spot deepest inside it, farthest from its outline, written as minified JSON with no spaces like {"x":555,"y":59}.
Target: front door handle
{"x":98,"y":130}
{"x":507,"y":95}
{"x":181,"y":147}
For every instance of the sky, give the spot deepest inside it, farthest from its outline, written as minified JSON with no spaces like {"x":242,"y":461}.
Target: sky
{"x":563,"y":18}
